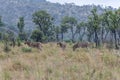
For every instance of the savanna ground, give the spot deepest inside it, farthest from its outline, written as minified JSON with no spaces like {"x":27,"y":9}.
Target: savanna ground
{"x":54,"y":64}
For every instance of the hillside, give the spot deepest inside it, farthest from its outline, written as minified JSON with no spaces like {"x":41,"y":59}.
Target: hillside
{"x":54,"y":64}
{"x":11,"y":10}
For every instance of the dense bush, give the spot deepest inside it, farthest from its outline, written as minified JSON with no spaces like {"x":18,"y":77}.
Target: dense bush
{"x":37,"y":35}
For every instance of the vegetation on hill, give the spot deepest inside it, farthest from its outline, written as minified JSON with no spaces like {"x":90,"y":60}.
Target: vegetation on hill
{"x":11,"y":10}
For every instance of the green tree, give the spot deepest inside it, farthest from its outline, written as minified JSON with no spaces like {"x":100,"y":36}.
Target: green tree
{"x":114,"y":22}
{"x":20,"y":26}
{"x":90,"y":32}
{"x":105,"y":21}
{"x":23,"y":36}
{"x":104,"y":28}
{"x":1,"y":23}
{"x":81,"y":29}
{"x":71,"y":22}
{"x":44,"y":21}
{"x":63,"y":30}
{"x":57,"y":32}
{"x":118,"y":31}
{"x":94,"y":21}
{"x":37,"y":35}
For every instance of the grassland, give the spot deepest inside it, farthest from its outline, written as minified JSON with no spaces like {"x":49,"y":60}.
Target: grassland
{"x":54,"y":64}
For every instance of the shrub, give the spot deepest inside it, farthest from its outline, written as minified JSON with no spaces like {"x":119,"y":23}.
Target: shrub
{"x":24,"y":49}
{"x":6,"y":47}
{"x":69,"y":42}
{"x":37,"y":35}
{"x":18,"y":42}
{"x":22,"y":36}
{"x":6,"y":43}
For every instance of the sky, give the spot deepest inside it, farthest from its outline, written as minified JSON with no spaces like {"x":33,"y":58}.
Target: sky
{"x":113,"y":3}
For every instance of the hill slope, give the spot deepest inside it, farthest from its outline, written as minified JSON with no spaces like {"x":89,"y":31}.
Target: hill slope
{"x":11,"y":10}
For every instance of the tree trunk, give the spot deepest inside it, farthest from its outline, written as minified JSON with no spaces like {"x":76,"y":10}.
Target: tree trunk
{"x":106,"y":35}
{"x":115,"y":37}
{"x":96,"y":39}
{"x":40,"y":27}
{"x":82,"y":35}
{"x":119,"y":38}
{"x":57,"y":38}
{"x":102,"y":34}
{"x":62,"y":36}
{"x":72,"y":34}
{"x":89,"y":37}
{"x":79,"y":35}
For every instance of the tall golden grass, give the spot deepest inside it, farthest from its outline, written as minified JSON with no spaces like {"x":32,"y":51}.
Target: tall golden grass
{"x":52,"y":63}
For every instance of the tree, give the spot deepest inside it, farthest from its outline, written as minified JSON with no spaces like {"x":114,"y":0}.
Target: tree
{"x":94,"y":21}
{"x":71,"y":22}
{"x":114,"y":21}
{"x":104,"y":26}
{"x":118,"y":31}
{"x":20,"y":26}
{"x":1,"y":23}
{"x":57,"y":32}
{"x":37,"y":36}
{"x":11,"y":37}
{"x":51,"y":34}
{"x":81,"y":27}
{"x":22,"y":36}
{"x":90,"y":31}
{"x":45,"y":24}
{"x":63,"y":30}
{"x":0,"y":36}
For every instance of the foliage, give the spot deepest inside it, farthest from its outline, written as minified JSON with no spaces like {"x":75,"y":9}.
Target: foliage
{"x":63,"y":30}
{"x":112,"y":19}
{"x":101,"y":26}
{"x":94,"y":22}
{"x":18,"y":42}
{"x":22,"y":36}
{"x":81,"y":27}
{"x":71,"y":23}
{"x":44,"y":22}
{"x":20,"y":25}
{"x":37,"y":35}
{"x":1,"y":23}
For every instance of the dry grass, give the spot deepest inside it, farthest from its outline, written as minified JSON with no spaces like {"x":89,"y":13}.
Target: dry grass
{"x":54,"y":64}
